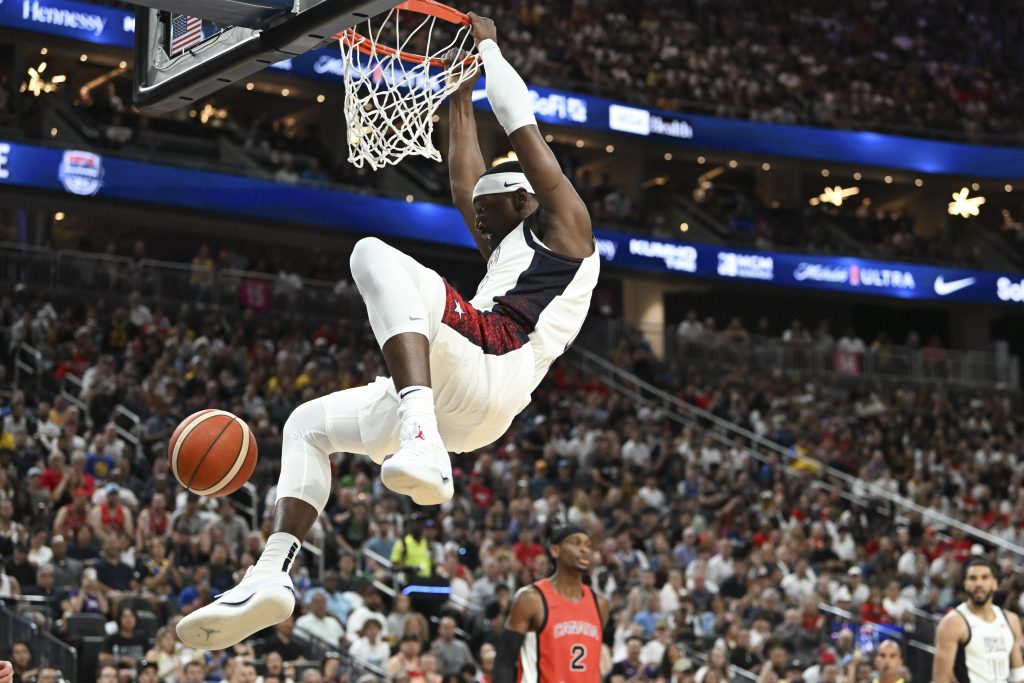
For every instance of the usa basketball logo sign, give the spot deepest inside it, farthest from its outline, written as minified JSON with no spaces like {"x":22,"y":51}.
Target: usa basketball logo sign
{"x":81,"y":172}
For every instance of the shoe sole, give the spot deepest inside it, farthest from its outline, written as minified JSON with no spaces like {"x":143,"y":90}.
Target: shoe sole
{"x":221,"y":625}
{"x":419,"y":483}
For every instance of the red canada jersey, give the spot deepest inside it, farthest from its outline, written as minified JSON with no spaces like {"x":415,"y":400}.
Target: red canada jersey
{"x":567,"y":647}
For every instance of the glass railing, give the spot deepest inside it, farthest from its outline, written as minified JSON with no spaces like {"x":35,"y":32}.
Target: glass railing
{"x":929,"y":365}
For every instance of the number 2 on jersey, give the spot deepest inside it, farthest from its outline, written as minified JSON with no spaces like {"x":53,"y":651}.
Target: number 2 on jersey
{"x":578,"y":653}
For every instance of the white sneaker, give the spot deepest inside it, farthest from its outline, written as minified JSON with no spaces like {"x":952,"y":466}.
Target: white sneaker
{"x":421,"y":469}
{"x":259,"y":601}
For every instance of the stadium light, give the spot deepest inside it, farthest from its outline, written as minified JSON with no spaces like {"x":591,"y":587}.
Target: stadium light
{"x":508,"y":156}
{"x":836,"y":195}
{"x":210,"y":112}
{"x":963,"y":206}
{"x":1008,"y":187}
{"x":37,"y":84}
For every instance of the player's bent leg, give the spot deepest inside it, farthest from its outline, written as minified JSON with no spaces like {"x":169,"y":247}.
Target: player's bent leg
{"x":265,"y":596}
{"x":405,"y":302}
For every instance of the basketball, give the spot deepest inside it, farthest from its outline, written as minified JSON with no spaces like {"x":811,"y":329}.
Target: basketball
{"x":212,"y":453}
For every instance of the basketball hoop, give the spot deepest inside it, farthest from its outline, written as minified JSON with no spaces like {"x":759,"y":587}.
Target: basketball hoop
{"x":395,"y":79}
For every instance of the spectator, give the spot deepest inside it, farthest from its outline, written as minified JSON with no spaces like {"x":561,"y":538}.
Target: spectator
{"x":413,"y":550}
{"x":283,"y":642}
{"x":452,"y":653}
{"x":115,"y":576}
{"x":631,"y":668}
{"x":371,"y":608}
{"x":889,"y":662}
{"x":169,"y":656}
{"x":318,"y":622}
{"x":369,"y":647}
{"x":22,"y":663}
{"x":127,"y":646}
{"x":111,"y":517}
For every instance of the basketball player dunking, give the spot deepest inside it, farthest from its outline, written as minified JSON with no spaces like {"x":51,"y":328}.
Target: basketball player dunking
{"x":978,"y":642}
{"x":461,"y":370}
{"x":555,"y":628}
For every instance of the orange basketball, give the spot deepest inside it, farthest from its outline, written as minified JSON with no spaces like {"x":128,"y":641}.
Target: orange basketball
{"x":212,"y":452}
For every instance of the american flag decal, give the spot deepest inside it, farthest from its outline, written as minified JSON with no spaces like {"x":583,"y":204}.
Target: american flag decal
{"x":185,"y":32}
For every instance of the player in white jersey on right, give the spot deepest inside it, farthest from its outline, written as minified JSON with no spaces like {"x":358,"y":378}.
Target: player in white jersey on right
{"x":461,"y":370}
{"x":978,"y":642}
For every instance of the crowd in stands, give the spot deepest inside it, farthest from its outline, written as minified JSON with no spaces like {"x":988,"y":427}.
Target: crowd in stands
{"x":715,"y":556}
{"x":933,"y":68}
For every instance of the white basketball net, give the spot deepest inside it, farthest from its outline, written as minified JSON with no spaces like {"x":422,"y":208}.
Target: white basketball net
{"x":390,"y":101}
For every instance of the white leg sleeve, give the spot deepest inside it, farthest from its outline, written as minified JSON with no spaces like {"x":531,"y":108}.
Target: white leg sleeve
{"x":393,"y":287}
{"x":310,"y":438}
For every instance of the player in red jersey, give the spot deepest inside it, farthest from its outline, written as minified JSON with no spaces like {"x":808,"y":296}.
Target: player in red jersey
{"x":556,"y":625}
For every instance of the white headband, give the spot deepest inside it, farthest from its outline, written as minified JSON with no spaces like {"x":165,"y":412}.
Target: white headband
{"x":499,"y":183}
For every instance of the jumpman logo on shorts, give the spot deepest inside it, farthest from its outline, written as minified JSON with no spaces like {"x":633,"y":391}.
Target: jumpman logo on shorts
{"x":458,"y":310}
{"x":419,"y":434}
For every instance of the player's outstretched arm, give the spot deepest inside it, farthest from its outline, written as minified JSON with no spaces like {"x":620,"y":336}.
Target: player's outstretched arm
{"x":465,"y":160}
{"x":569,"y":230}
{"x":525,"y":615}
{"x":952,"y":631}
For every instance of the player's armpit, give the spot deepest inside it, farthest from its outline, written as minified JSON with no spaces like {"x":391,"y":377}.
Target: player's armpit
{"x":948,"y":636}
{"x":570,"y":231}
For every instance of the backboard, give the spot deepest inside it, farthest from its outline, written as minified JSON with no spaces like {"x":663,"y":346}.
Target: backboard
{"x":188,"y":49}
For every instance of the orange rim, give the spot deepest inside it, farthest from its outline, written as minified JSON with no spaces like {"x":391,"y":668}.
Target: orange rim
{"x":353,"y":38}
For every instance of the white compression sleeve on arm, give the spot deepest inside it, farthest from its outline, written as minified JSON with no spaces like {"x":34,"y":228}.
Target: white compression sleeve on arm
{"x":506,"y":90}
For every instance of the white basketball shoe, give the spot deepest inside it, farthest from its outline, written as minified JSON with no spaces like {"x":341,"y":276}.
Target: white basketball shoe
{"x":257,"y":602}
{"x":421,"y":469}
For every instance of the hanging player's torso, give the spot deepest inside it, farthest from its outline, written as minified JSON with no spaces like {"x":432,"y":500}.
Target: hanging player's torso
{"x":544,"y":293}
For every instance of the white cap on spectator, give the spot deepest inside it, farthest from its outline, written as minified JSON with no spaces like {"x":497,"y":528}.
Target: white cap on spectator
{"x":34,"y":472}
{"x":854,"y":571}
{"x":977,"y":549}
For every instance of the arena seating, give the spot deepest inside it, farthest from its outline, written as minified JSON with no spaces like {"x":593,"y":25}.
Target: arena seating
{"x":769,"y":519}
